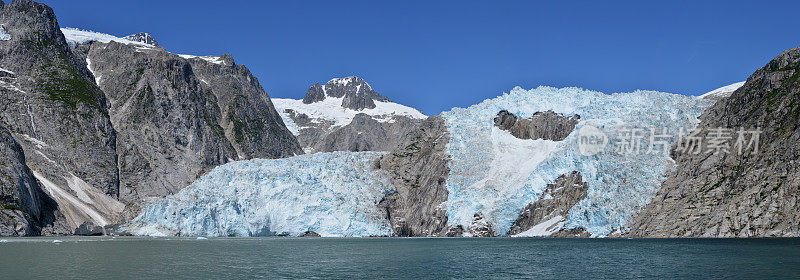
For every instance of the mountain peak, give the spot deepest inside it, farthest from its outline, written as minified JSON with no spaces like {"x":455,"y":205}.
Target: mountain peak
{"x":142,"y":37}
{"x":357,"y":94}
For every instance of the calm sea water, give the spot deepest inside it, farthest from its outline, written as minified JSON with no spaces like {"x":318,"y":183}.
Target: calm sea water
{"x":359,"y":258}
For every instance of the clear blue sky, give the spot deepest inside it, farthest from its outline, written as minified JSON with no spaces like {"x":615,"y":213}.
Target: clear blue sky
{"x":435,"y":56}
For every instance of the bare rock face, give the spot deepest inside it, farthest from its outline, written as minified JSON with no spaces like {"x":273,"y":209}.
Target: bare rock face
{"x":556,"y":201}
{"x":732,"y":194}
{"x":248,"y":117}
{"x":167,"y":122}
{"x":366,"y":134}
{"x":310,"y":234}
{"x":542,"y":125}
{"x":52,"y":107}
{"x":418,"y":168}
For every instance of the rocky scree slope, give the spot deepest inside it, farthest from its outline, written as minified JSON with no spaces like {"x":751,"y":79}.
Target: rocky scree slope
{"x":731,"y":194}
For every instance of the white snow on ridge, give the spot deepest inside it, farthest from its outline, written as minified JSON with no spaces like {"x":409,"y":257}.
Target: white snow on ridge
{"x":210,"y":58}
{"x":723,"y":91}
{"x":331,"y":109}
{"x":77,"y":36}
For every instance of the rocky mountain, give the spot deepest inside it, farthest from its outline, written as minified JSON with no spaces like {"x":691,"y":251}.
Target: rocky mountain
{"x":346,"y":114}
{"x":751,"y":190}
{"x":105,"y":122}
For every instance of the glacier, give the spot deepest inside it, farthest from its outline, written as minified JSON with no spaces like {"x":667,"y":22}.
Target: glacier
{"x":496,"y":174}
{"x":333,"y":194}
{"x":491,"y":172}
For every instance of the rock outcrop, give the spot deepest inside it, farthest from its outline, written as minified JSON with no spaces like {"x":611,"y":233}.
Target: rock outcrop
{"x":748,"y":194}
{"x":419,"y":170}
{"x":542,"y":125}
{"x":550,"y":210}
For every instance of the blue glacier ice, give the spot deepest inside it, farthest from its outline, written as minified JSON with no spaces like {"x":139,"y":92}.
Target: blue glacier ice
{"x":333,"y":194}
{"x":496,"y":174}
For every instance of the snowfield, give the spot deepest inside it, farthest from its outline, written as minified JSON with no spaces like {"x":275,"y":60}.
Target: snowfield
{"x":77,"y":36}
{"x":330,"y":109}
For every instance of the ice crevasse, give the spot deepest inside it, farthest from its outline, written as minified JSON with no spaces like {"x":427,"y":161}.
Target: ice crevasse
{"x":491,"y":172}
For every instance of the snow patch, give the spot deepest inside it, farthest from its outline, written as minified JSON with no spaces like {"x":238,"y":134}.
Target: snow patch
{"x":209,"y":58}
{"x":39,"y":143}
{"x":330,"y":109}
{"x":723,"y":91}
{"x":7,"y":71}
{"x":4,"y":36}
{"x":544,"y":229}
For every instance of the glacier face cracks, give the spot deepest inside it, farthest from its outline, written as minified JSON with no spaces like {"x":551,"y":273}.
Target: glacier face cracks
{"x":333,"y":194}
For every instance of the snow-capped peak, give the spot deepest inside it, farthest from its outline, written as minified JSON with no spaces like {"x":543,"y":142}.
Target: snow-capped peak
{"x":76,"y":36}
{"x":339,"y":101}
{"x":342,"y":81}
{"x":722,"y":92}
{"x":142,"y":37}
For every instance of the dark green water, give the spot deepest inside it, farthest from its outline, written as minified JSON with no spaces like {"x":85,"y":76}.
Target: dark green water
{"x":369,"y":258}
